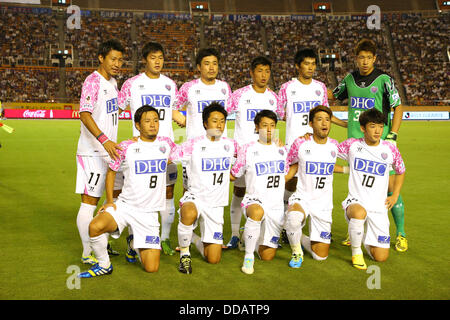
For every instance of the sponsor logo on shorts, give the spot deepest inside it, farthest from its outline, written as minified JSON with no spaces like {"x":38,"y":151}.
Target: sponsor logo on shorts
{"x":369,"y":166}
{"x":274,"y":240}
{"x":304,"y":106}
{"x":216,"y":164}
{"x":112,"y":105}
{"x":218,"y":236}
{"x":384,"y":239}
{"x":203,"y":104}
{"x":269,"y":167}
{"x":319,"y":168}
{"x":251,"y":114}
{"x":150,"y":166}
{"x":325,"y":235}
{"x":362,"y":103}
{"x":152,"y":239}
{"x":156,"y":100}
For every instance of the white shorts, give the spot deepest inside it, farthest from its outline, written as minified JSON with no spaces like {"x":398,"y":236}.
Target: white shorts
{"x":91,"y":175}
{"x":377,"y":225}
{"x":144,"y":225}
{"x":270,"y":232}
{"x":209,"y":218}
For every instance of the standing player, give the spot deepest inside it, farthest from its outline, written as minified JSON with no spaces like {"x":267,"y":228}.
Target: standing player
{"x":208,"y":160}
{"x":297,"y":97}
{"x":99,"y":115}
{"x":143,"y":163}
{"x":264,"y":164}
{"x":316,"y":160}
{"x":366,"y":88}
{"x":369,"y":159}
{"x":246,"y":102}
{"x":155,"y":89}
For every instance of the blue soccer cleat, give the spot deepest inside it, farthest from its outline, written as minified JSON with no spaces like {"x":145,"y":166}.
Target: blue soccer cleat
{"x":234,"y":242}
{"x":130,"y":255}
{"x":296,"y":260}
{"x":96,"y":271}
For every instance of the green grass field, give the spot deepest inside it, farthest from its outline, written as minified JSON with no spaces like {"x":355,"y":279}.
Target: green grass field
{"x":39,"y":238}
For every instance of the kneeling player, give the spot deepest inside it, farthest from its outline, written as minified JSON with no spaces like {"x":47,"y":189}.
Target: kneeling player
{"x":313,"y":197}
{"x":369,"y":159}
{"x":264,"y":165}
{"x":208,"y":160}
{"x":144,"y":165}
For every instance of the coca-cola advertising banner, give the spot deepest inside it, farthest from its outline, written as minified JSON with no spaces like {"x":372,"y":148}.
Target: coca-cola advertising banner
{"x":51,"y":114}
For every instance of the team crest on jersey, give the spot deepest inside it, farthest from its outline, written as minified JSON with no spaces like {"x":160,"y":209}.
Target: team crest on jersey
{"x":162,"y":149}
{"x":88,"y":98}
{"x":384,"y":155}
{"x":224,"y":92}
{"x":318,"y":92}
{"x":333,"y":154}
{"x":168,"y":87}
{"x":374,"y":89}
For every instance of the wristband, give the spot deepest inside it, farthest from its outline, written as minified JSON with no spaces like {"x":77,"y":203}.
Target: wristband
{"x":346,"y":170}
{"x":392,"y":136}
{"x":102,"y":138}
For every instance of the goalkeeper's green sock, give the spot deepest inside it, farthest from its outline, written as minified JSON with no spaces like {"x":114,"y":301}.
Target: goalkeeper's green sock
{"x":398,"y":213}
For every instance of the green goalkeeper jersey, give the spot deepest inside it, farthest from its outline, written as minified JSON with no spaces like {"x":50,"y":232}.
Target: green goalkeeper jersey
{"x":376,"y":90}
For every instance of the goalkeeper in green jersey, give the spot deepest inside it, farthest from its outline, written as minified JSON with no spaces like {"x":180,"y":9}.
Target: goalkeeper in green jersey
{"x":367,"y":88}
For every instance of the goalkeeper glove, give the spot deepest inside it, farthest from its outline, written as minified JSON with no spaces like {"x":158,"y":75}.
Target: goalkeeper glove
{"x":392,"y":138}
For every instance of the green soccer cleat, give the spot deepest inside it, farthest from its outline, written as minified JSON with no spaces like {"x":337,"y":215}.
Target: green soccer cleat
{"x":167,"y":248}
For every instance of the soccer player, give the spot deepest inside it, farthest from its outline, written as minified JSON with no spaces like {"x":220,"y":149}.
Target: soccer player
{"x":369,"y":159}
{"x":153,"y":88}
{"x":99,"y":115}
{"x":246,"y":102}
{"x":208,"y":161}
{"x":316,"y":158}
{"x":264,"y":165}
{"x":297,"y":97}
{"x":144,"y":163}
{"x":366,"y":88}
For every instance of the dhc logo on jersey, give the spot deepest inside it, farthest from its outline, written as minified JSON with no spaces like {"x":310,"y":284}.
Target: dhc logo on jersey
{"x":156,"y":100}
{"x":319,"y":168}
{"x":215,"y":164}
{"x":362,"y":103}
{"x":150,"y":166}
{"x":112,"y":105}
{"x":251,"y":114}
{"x":304,"y":106}
{"x":371,"y":167}
{"x":203,"y":104}
{"x":269,"y":167}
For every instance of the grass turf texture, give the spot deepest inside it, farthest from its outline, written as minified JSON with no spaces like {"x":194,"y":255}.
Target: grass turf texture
{"x":39,"y":238}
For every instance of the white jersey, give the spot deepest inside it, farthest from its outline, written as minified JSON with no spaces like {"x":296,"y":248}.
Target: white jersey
{"x":196,"y":95}
{"x":264,"y":167}
{"x":315,"y":171}
{"x":99,"y":98}
{"x":208,"y":165}
{"x":246,"y":103}
{"x":297,"y":99}
{"x":144,"y":166}
{"x":159,"y":93}
{"x":369,"y":170}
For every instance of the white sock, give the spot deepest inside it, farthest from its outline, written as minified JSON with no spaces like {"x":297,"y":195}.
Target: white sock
{"x":84,"y":218}
{"x":287,"y":195}
{"x":98,"y":245}
{"x":293,"y":228}
{"x":306,"y":243}
{"x":356,"y":233}
{"x":184,"y":238}
{"x":367,"y":247}
{"x":235,"y":214}
{"x":167,"y":218}
{"x":251,"y":237}
{"x":198,"y":244}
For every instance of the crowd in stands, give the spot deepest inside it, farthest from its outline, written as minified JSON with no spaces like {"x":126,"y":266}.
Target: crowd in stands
{"x":420,"y":45}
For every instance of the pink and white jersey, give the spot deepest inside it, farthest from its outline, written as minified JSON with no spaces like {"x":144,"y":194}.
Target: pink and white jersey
{"x":315,"y":171}
{"x":246,"y":103}
{"x":196,"y":95}
{"x":99,"y":98}
{"x":264,"y":167}
{"x":369,"y":170}
{"x":144,"y":165}
{"x":297,"y":99}
{"x":159,"y":93}
{"x":208,"y":168}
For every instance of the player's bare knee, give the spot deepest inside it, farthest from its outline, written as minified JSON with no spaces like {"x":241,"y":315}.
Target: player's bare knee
{"x":255,"y":212}
{"x":267,"y":254}
{"x":151,"y":267}
{"x":213,"y":259}
{"x":95,"y":228}
{"x":380,"y":256}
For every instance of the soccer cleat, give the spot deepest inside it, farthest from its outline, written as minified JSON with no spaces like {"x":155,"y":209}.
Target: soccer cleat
{"x":358,"y":262}
{"x":89,"y":260}
{"x":401,"y":245}
{"x":233,"y":244}
{"x":167,"y":248}
{"x":130,"y":255}
{"x":185,"y":264}
{"x":96,"y":271}
{"x":111,"y":251}
{"x":247,"y":266}
{"x":241,"y":243}
{"x":296,"y":260}
{"x":346,"y":241}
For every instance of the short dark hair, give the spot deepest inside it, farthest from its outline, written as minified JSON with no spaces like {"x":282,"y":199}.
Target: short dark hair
{"x":140,"y":111}
{"x":151,"y":47}
{"x":366,"y":45}
{"x":260,"y":61}
{"x":371,"y":115}
{"x":265,"y":113}
{"x":206,"y":52}
{"x":214,"y":106}
{"x":304,"y":53}
{"x":317,"y":109}
{"x":107,"y":46}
